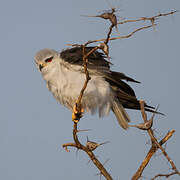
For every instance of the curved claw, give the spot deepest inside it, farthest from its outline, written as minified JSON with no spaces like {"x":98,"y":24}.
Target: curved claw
{"x":76,"y":115}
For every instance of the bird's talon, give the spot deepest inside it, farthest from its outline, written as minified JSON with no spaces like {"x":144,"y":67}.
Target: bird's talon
{"x":76,"y":121}
{"x":77,"y":115}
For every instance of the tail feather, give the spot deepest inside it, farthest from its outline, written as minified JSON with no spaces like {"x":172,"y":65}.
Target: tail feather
{"x":121,"y":114}
{"x":131,"y":102}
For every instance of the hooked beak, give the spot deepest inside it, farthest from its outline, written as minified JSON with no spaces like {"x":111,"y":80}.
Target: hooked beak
{"x":42,"y":65}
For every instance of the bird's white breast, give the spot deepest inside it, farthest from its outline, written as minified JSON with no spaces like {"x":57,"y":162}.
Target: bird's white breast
{"x":66,"y":82}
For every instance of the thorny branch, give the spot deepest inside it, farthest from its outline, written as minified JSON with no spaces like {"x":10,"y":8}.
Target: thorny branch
{"x":85,"y":61}
{"x":164,"y":175}
{"x":93,"y":158}
{"x":115,"y":38}
{"x":154,"y":140}
{"x":104,"y":47}
{"x":151,"y":19}
{"x":155,"y":146}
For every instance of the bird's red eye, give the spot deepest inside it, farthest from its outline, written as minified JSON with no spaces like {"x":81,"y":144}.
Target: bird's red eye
{"x":49,"y":59}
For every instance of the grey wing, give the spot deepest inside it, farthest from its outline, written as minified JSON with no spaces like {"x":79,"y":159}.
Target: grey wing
{"x":123,"y":92}
{"x":96,"y":60}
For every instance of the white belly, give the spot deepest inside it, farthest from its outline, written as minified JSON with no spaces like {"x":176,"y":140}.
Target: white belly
{"x":66,"y":86}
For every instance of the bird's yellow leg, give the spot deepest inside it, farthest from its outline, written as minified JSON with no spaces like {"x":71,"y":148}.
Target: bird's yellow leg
{"x":77,"y":114}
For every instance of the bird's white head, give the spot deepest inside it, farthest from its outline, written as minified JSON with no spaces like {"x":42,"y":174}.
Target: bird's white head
{"x":46,"y":59}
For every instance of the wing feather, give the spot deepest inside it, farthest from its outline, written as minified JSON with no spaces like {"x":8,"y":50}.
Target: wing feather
{"x":96,"y":60}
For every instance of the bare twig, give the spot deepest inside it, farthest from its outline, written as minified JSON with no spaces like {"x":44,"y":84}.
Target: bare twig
{"x":100,"y":174}
{"x":93,"y":158}
{"x":108,"y":35}
{"x":85,"y":60}
{"x":83,"y":130}
{"x":119,"y":37}
{"x":155,"y":146}
{"x":164,"y":175}
{"x":150,"y":154}
{"x":114,"y":38}
{"x":152,"y":19}
{"x":154,"y":140}
{"x":144,"y":126}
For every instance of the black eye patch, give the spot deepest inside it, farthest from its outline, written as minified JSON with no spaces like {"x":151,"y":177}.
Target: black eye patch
{"x":48,"y":60}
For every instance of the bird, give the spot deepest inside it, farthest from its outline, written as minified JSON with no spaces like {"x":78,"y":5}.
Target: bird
{"x":106,"y":90}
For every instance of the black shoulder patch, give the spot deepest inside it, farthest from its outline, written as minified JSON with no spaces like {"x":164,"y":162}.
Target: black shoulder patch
{"x":74,"y":56}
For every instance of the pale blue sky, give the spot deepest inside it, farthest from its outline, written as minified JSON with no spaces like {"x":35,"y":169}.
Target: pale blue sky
{"x":33,"y":126}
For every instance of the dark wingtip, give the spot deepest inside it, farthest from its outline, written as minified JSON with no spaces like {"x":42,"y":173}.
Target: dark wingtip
{"x":154,"y":111}
{"x":149,"y":108}
{"x":137,"y":81}
{"x":160,"y":113}
{"x":128,"y":79}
